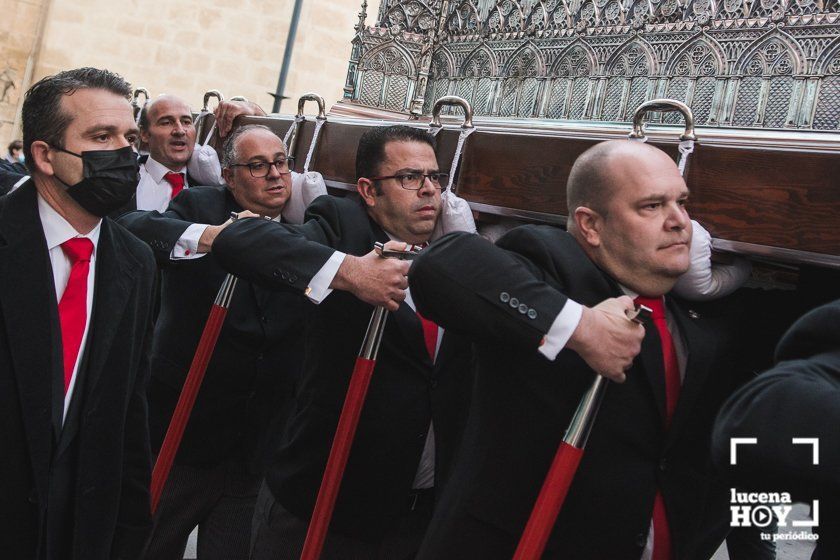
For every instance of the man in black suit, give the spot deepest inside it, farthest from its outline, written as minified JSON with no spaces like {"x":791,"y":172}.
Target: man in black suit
{"x":643,"y":489}
{"x":250,"y":379}
{"x":413,"y":416}
{"x":75,"y":290}
{"x":798,"y":398}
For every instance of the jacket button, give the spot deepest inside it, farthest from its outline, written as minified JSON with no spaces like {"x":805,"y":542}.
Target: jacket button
{"x":284,"y":275}
{"x":523,"y":308}
{"x":504,"y":297}
{"x":276,"y":272}
{"x":532,"y":313}
{"x":514,"y":302}
{"x":293,"y":279}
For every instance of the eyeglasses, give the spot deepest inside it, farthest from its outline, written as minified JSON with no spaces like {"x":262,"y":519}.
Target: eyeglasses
{"x":414,"y":181}
{"x":260,"y":169}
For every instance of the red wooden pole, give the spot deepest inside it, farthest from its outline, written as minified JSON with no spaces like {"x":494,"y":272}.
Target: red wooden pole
{"x":549,"y":502}
{"x":192,"y":384}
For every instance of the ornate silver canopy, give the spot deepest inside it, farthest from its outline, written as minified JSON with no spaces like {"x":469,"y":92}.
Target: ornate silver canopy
{"x":736,"y":63}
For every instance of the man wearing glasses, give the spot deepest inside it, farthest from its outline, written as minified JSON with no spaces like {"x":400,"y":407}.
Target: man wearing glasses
{"x":410,"y":425}
{"x":250,"y":379}
{"x":416,"y":405}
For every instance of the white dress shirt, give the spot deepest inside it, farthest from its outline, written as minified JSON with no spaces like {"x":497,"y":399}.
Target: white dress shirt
{"x":153,"y":191}
{"x":56,"y":231}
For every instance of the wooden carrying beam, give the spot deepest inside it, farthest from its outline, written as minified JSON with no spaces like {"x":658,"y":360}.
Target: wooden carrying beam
{"x":762,"y":193}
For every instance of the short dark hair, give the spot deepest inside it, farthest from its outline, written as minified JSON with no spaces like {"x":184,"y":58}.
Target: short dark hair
{"x":42,"y":116}
{"x":15,"y":145}
{"x":371,"y":149}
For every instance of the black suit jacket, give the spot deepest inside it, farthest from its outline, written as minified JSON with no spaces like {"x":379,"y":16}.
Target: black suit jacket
{"x":80,"y":489}
{"x":8,"y":178}
{"x":523,"y":402}
{"x":798,"y":398}
{"x":251,"y":376}
{"x":406,"y":393}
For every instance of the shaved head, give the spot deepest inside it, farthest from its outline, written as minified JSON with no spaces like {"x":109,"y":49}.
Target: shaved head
{"x":627,"y":211}
{"x":165,"y":99}
{"x":598,"y":171}
{"x":166,"y":125}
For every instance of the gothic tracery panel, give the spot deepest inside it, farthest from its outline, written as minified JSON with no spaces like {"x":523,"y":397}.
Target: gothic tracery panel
{"x":763,"y":62}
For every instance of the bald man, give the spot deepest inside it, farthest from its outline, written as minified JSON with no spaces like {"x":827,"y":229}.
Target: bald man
{"x":643,"y":489}
{"x":166,"y":126}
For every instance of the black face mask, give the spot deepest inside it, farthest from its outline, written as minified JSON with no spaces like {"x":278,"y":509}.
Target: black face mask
{"x":110,"y":179}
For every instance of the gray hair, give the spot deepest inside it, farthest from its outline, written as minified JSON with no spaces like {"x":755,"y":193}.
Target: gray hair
{"x":229,"y":154}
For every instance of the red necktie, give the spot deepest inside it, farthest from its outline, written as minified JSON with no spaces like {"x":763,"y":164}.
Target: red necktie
{"x":72,"y":309}
{"x":430,"y":335}
{"x":662,"y":549}
{"x":177,"y":182}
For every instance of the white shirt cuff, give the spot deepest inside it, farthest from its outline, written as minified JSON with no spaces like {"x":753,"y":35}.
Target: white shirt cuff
{"x":561,"y":329}
{"x":187,"y":245}
{"x":319,"y":286}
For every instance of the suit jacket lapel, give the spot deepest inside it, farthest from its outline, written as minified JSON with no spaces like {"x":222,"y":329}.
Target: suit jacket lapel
{"x":115,"y":268}
{"x":405,"y":317}
{"x":28,"y":307}
{"x":651,"y":359}
{"x":701,"y":353}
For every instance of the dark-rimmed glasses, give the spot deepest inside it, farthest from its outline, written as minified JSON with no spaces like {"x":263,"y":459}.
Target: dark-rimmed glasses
{"x":413,"y":181}
{"x":260,"y":169}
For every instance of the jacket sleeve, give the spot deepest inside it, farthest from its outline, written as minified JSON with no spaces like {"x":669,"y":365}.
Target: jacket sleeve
{"x":466,"y":284}
{"x":161,"y":231}
{"x":280,"y":256}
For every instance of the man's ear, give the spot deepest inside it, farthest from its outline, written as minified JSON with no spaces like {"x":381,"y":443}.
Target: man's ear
{"x":144,"y":136}
{"x":227,"y":175}
{"x":42,"y":157}
{"x":367,"y":190}
{"x":588,"y":223}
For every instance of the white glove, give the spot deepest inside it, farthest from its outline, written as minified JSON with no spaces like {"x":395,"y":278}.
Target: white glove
{"x":705,"y":280}
{"x":204,"y":167}
{"x":306,"y":187}
{"x":455,"y":215}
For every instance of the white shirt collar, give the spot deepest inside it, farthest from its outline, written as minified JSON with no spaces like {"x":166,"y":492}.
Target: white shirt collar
{"x":57,"y":230}
{"x":157,"y":170}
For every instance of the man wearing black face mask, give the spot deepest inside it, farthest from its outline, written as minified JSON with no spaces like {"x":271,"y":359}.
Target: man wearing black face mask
{"x":75,"y":293}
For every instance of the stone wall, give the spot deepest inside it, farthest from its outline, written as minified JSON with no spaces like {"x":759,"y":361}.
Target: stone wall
{"x":184,"y":47}
{"x":20,"y":27}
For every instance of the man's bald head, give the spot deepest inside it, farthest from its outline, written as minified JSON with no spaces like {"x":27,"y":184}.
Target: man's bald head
{"x":627,"y":211}
{"x":166,"y":126}
{"x":161,"y":100}
{"x":598,"y":171}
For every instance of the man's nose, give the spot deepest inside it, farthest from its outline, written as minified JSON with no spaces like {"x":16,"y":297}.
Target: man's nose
{"x":677,"y":217}
{"x":179,"y":129}
{"x":427,"y":188}
{"x":273,"y":171}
